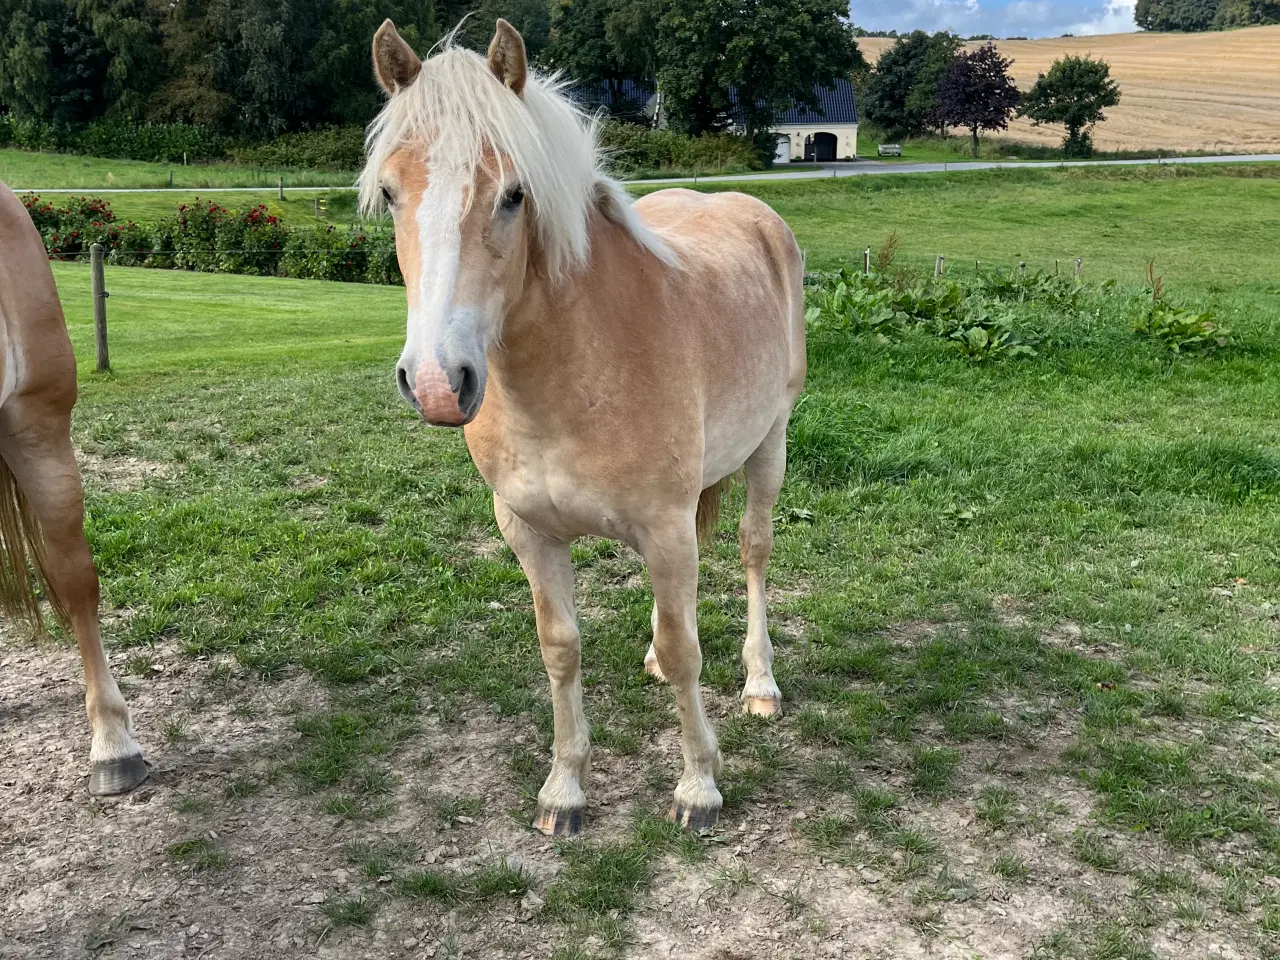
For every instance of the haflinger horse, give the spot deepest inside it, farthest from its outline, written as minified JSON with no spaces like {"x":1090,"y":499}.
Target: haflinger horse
{"x":612,"y":365}
{"x":41,"y":501}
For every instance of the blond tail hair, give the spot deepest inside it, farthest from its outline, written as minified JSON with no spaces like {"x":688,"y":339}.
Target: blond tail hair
{"x":21,"y":552}
{"x":709,"y":508}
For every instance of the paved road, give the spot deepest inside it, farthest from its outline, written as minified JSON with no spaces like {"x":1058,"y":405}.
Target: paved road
{"x":860,"y":169}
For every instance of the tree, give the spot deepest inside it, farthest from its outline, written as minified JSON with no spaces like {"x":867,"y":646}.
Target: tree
{"x":1073,"y":93}
{"x":977,"y":92}
{"x":772,"y":52}
{"x":902,"y":91}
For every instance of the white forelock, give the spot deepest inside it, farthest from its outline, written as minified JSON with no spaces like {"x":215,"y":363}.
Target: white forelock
{"x":456,"y":108}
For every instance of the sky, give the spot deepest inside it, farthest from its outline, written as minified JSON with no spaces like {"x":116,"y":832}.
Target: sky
{"x":1000,"y":18}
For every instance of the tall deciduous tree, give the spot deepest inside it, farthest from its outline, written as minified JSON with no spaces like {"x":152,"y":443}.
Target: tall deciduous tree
{"x":976,"y":92}
{"x":1074,"y":93}
{"x":902,"y":91}
{"x":772,"y":51}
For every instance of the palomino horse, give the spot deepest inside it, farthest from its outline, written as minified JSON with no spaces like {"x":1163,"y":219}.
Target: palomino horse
{"x":41,"y":503}
{"x":612,"y":364}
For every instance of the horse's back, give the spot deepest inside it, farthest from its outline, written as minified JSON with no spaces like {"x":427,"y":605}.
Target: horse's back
{"x":36,"y":352}
{"x":738,"y":259}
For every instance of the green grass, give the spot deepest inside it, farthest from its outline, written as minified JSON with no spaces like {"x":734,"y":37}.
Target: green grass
{"x":1191,"y":219}
{"x":304,"y":521}
{"x":24,"y":170}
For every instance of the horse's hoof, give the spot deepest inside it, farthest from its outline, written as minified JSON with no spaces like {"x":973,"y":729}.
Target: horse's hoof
{"x":695,"y":819}
{"x":108,"y":778}
{"x":558,"y":823}
{"x":762,"y":706}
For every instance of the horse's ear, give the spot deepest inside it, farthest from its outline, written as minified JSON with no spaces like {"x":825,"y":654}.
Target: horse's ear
{"x":394,"y":62}
{"x":506,"y":57}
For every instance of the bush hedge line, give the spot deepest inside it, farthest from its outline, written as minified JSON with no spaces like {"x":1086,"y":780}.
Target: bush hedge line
{"x":631,"y":148}
{"x":153,"y":142}
{"x":208,"y":237}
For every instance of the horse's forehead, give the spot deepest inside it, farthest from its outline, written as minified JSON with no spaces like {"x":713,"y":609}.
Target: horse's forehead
{"x":411,"y":166}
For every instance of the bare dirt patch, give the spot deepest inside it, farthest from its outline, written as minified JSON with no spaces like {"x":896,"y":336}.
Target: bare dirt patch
{"x":89,"y":878}
{"x":121,"y":474}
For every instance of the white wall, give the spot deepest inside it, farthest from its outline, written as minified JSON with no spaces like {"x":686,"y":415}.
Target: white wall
{"x":846,"y":138}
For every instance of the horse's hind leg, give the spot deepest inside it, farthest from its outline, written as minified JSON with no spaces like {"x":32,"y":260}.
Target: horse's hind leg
{"x":40,"y":456}
{"x":764,"y":470}
{"x":561,"y":802}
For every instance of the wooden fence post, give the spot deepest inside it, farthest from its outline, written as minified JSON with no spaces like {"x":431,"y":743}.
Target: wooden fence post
{"x":99,"y":306}
{"x":866,"y":262}
{"x":938,"y":264}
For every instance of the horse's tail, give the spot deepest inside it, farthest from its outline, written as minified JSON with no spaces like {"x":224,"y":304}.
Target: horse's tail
{"x":21,"y":552}
{"x":709,"y":507}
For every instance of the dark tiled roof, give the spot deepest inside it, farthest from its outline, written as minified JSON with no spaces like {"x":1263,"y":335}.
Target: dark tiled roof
{"x":632,"y":95}
{"x":837,"y":103}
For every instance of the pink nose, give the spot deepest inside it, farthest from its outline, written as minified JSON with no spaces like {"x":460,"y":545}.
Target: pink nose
{"x":437,"y":402}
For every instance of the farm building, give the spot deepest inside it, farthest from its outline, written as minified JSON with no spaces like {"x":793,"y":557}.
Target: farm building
{"x":828,"y":133}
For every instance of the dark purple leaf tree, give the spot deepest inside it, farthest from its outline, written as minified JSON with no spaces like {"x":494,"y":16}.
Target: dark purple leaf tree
{"x":976,"y":92}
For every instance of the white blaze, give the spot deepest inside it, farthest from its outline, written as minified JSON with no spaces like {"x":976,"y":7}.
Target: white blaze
{"x":439,"y":218}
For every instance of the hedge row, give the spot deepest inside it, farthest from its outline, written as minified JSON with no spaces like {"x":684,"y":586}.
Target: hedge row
{"x":631,"y":148}
{"x":154,"y":142}
{"x":205,"y":236}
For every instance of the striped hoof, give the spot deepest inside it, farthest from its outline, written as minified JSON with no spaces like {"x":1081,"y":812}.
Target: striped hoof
{"x":559,"y":823}
{"x":695,"y":819}
{"x":110,"y":777}
{"x":762,"y":706}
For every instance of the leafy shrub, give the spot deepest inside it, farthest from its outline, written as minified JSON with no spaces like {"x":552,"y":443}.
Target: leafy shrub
{"x":982,"y":333}
{"x":326,"y":254}
{"x":881,"y":304}
{"x":633,"y":148}
{"x":195,"y":235}
{"x":154,"y":142}
{"x":384,"y":267}
{"x":251,"y":241}
{"x":326,"y":148}
{"x":1182,"y":331}
{"x":873,"y":303}
{"x":133,"y":246}
{"x":1043,"y":288}
{"x":120,"y":139}
{"x":43,"y":213}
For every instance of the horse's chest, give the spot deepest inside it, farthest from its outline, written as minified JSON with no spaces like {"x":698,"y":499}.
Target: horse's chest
{"x":542,"y":487}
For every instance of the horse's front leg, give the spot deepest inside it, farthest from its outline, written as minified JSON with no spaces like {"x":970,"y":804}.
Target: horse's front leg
{"x":672,"y":558}
{"x":546,"y":563}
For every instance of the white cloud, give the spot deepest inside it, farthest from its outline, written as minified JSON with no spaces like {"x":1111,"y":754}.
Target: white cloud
{"x":1116,"y":17}
{"x":1001,"y":18}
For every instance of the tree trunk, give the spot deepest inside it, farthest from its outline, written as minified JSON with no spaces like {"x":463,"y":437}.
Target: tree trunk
{"x":974,"y":131}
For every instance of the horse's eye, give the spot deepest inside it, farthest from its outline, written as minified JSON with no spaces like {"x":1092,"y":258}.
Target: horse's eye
{"x":514,"y":198}
{"x":386,"y":195}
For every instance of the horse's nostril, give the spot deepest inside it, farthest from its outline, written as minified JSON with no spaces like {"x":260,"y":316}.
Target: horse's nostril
{"x":469,"y":390}
{"x":406,"y":386}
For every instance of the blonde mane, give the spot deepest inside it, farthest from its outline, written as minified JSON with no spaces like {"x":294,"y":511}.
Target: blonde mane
{"x":461,"y":110}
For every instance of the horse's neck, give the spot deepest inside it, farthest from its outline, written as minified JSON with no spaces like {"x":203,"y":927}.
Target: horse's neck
{"x":561,"y":328}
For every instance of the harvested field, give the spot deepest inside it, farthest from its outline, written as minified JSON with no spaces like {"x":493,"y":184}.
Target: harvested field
{"x":1205,"y":91}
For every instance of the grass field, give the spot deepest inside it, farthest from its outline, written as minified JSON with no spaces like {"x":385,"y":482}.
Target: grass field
{"x":1188,"y":218}
{"x":1193,"y":91}
{"x":1026,"y":618}
{"x":24,"y":170}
